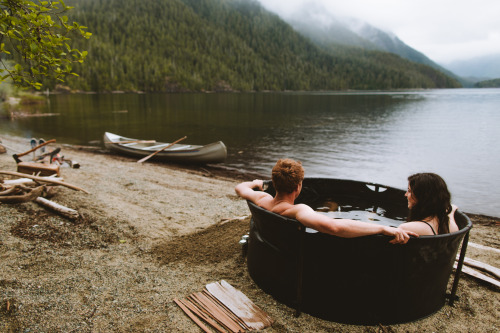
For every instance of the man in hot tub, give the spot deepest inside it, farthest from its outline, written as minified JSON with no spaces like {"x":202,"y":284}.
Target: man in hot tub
{"x":287,"y":177}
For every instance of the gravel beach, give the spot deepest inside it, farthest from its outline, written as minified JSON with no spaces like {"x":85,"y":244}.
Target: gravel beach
{"x":152,"y":232}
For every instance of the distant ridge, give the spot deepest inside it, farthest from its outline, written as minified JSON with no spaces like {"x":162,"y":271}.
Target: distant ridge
{"x":486,"y":67}
{"x":329,"y":32}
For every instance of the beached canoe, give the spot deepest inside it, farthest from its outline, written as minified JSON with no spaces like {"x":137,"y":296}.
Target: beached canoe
{"x":212,"y":153}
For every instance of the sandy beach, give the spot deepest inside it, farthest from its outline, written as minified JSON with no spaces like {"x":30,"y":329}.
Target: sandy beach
{"x":152,"y":232}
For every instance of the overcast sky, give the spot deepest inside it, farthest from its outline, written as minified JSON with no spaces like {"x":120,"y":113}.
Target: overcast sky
{"x":444,"y":30}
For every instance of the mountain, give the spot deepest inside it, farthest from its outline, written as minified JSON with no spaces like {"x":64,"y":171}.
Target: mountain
{"x":479,"y":68}
{"x":223,"y":45}
{"x":329,"y":31}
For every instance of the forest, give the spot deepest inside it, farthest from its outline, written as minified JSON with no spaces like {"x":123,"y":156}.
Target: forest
{"x":222,"y":45}
{"x":495,"y":83}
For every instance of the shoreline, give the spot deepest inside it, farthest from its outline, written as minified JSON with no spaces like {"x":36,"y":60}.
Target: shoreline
{"x":153,"y":232}
{"x":220,"y":171}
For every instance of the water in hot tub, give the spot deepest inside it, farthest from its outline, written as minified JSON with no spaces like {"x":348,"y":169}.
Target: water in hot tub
{"x":361,"y":211}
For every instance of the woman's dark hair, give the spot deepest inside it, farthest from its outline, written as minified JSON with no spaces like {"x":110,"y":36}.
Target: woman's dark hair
{"x":432,"y":199}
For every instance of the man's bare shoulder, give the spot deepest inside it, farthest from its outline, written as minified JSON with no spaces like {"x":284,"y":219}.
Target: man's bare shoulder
{"x":263,"y":199}
{"x":297,"y":209}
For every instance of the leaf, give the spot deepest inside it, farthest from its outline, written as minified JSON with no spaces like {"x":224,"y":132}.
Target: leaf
{"x":34,"y":47}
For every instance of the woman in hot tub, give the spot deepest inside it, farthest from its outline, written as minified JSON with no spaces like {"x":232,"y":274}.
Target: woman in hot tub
{"x":431,"y":212}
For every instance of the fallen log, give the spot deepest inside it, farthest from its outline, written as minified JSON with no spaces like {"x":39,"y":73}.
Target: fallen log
{"x":9,"y":191}
{"x":43,"y":179}
{"x":63,"y":210}
{"x":27,"y":181}
{"x":30,"y":196}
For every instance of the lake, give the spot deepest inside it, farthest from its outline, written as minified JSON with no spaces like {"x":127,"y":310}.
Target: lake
{"x":380,"y":137}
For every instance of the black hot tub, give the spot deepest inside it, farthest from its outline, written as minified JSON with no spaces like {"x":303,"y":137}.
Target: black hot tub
{"x":364,"y":280}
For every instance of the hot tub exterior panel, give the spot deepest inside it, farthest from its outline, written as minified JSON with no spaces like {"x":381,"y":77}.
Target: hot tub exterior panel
{"x":273,"y":262}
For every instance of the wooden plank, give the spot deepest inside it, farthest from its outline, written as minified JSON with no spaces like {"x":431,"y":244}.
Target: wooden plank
{"x":208,"y":313}
{"x":240,"y":305}
{"x":192,"y":316}
{"x":482,"y":266}
{"x":226,"y":310}
{"x":477,"y":275}
{"x":40,"y":169}
{"x":206,"y":317}
{"x":218,"y":314}
{"x":482,"y":247}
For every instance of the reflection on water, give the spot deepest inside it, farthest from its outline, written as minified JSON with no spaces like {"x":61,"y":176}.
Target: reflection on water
{"x":380,"y":137}
{"x":343,"y":208}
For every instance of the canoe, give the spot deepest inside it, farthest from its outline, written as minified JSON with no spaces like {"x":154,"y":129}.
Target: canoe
{"x":211,"y":153}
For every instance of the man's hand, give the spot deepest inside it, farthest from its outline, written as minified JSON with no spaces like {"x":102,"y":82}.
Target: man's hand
{"x":400,"y":236}
{"x":259,"y":184}
{"x":246,"y":190}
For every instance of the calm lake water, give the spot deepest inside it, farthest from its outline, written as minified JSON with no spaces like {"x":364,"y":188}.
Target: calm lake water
{"x":380,"y":137}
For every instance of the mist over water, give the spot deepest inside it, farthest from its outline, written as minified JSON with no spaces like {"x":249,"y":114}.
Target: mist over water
{"x":380,"y":137}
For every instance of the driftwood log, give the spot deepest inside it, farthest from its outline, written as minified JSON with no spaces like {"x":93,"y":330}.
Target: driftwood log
{"x":44,"y":179}
{"x":26,"y":181}
{"x":31,"y":195}
{"x":9,"y":190}
{"x":63,"y":210}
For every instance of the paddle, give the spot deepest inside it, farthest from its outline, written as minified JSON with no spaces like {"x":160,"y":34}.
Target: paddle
{"x":156,"y":152}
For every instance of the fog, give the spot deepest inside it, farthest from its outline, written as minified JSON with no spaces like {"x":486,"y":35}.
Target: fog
{"x":444,"y":30}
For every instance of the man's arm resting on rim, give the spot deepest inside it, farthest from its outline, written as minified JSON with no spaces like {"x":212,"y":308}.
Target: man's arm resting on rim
{"x":348,"y":228}
{"x":246,"y":190}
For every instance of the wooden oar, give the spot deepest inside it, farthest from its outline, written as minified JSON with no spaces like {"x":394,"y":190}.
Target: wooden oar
{"x":156,"y":152}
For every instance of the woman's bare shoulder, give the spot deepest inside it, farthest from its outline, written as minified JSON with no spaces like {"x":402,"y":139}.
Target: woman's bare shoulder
{"x":419,"y":227}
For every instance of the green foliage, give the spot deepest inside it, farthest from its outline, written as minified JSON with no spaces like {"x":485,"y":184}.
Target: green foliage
{"x":35,"y":36}
{"x":495,"y":83}
{"x":215,"y":45}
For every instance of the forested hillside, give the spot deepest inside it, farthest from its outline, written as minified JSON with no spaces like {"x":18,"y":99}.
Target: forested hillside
{"x":495,"y":83}
{"x":214,"y":45}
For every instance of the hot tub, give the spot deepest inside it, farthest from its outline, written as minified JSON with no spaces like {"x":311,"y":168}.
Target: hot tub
{"x":364,"y":280}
